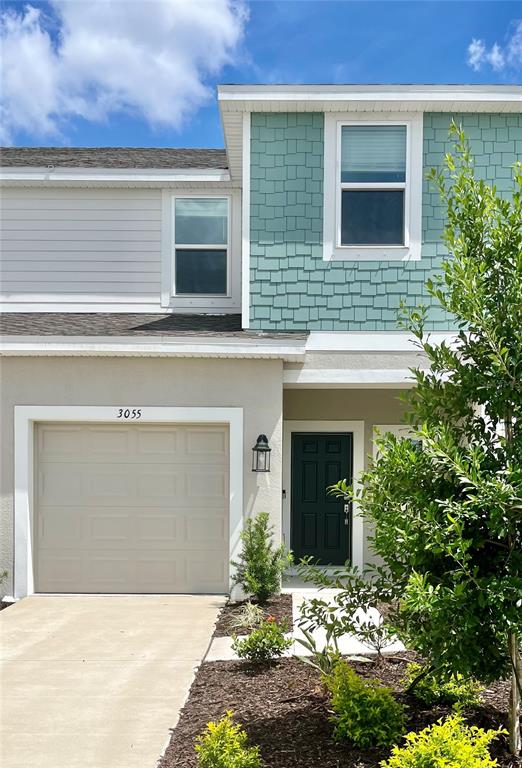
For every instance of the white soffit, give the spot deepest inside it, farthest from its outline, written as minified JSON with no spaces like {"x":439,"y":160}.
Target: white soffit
{"x":332,"y":378}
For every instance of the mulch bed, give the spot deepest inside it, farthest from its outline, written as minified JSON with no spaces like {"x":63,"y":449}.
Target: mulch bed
{"x":4,"y":605}
{"x":280,"y":607}
{"x":283,"y":709}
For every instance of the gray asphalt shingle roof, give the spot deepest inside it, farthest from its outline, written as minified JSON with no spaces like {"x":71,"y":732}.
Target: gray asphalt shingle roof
{"x":128,"y":324}
{"x":112,"y":157}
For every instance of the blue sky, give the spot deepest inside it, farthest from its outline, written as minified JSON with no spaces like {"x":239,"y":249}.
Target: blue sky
{"x":143,"y":72}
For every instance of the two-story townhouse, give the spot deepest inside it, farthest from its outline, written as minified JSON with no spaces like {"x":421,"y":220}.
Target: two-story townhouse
{"x":163,"y":308}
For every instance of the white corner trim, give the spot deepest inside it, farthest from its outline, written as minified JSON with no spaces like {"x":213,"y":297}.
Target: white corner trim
{"x":330,"y":378}
{"x":411,"y":251}
{"x":92,"y":346}
{"x":245,"y":224}
{"x":370,"y":341}
{"x":357,"y":428}
{"x":25,"y":417}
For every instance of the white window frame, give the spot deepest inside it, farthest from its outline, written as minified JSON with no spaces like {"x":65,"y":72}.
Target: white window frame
{"x":333,"y":187}
{"x":231,"y":301}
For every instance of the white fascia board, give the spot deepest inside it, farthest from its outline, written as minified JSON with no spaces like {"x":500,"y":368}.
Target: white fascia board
{"x":369,"y":341}
{"x":102,"y":346}
{"x":333,"y":378}
{"x":447,"y":95}
{"x":161,"y":175}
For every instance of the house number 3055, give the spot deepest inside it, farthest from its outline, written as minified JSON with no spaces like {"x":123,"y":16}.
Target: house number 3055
{"x":129,"y":413}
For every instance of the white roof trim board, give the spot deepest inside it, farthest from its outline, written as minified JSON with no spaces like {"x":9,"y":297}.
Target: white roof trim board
{"x":16,"y":346}
{"x":507,"y":98}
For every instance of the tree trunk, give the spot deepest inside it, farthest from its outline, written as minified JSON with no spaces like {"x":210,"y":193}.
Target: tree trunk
{"x":515,"y":698}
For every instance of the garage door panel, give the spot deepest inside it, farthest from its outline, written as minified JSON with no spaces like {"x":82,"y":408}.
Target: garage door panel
{"x":207,"y":485}
{"x":203,"y":529}
{"x":206,"y":442}
{"x":53,"y":525}
{"x":136,"y":508}
{"x":157,"y":443}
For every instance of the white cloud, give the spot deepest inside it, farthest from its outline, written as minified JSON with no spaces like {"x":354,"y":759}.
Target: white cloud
{"x":146,"y":57}
{"x":498,"y":57}
{"x":476,"y":53}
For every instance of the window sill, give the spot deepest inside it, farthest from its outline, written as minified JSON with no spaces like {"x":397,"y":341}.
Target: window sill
{"x":200,"y":303}
{"x":372,"y":253}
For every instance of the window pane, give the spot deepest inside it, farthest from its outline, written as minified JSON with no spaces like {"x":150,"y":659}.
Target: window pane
{"x":201,"y":221}
{"x":373,"y":217}
{"x":373,"y":153}
{"x":201,"y":272}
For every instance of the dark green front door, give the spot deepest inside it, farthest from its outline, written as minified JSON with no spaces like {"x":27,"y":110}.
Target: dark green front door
{"x":320,"y":526}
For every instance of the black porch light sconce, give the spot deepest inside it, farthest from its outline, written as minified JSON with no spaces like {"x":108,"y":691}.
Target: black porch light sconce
{"x":261,"y":455}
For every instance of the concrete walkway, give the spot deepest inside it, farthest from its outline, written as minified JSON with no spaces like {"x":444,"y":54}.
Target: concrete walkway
{"x":349,"y":645}
{"x":97,"y":682}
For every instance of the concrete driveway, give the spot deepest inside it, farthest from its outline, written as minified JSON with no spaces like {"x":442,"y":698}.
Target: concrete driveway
{"x":97,"y":681}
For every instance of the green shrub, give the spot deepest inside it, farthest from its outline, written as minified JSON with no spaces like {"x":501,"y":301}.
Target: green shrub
{"x":449,"y":743}
{"x":456,"y":690}
{"x":224,"y":745}
{"x":366,"y":714}
{"x":260,"y":564}
{"x":265,"y":643}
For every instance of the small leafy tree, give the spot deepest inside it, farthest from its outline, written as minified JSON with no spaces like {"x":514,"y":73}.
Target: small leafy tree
{"x":261,"y":564}
{"x":448,"y":516}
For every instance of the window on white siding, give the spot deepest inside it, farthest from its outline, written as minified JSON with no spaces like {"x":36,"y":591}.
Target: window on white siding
{"x":201,"y":246}
{"x":373,"y":185}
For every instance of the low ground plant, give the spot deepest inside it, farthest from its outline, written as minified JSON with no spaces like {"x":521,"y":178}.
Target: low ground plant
{"x":224,"y":744}
{"x":261,"y":564}
{"x":448,"y":742}
{"x":266,"y":642}
{"x":455,"y":690}
{"x":250,"y":616}
{"x":365,"y":713}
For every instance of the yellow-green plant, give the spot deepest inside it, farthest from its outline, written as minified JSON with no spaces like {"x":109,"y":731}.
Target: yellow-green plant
{"x":449,"y":743}
{"x":455,"y":690}
{"x":365,"y":713}
{"x":224,"y":745}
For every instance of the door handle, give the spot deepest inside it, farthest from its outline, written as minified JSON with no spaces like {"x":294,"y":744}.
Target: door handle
{"x":347,"y":514}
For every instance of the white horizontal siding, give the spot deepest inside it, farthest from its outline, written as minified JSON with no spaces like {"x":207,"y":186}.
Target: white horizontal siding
{"x":80,"y":245}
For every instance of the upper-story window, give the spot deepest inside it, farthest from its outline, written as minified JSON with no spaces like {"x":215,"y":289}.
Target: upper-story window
{"x":201,"y":251}
{"x":201,"y":243}
{"x":373,"y":186}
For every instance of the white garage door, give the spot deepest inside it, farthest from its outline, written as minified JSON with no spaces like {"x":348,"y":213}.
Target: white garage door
{"x":131,"y":508}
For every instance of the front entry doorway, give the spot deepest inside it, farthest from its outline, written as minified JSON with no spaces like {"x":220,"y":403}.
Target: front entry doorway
{"x":321,"y":525}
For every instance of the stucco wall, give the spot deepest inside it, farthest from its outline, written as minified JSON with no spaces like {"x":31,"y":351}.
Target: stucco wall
{"x":382,"y":406}
{"x":291,"y":286}
{"x":256,"y":386}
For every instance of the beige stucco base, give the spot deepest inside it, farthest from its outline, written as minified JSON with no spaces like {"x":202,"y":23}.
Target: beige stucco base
{"x":256,"y":386}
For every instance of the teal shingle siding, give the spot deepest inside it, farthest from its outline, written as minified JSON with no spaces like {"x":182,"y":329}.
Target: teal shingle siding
{"x":292,"y":288}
